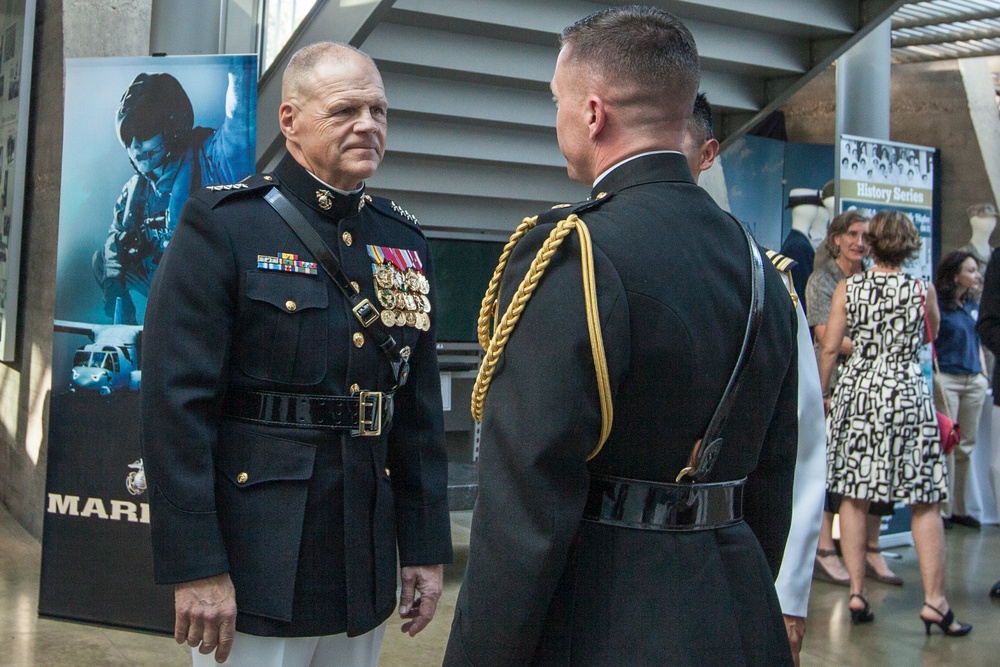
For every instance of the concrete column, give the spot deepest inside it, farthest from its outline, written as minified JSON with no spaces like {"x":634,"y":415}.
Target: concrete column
{"x":863,"y":85}
{"x":186,"y":27}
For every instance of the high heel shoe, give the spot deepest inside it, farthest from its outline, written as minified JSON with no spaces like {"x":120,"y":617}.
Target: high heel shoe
{"x":863,"y":615}
{"x":945,"y":623}
{"x":821,"y":572}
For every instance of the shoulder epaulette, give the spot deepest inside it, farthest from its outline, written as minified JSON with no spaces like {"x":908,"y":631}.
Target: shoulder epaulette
{"x":393,"y":210}
{"x":784,"y":265}
{"x":213,"y":195}
{"x":562,"y":211}
{"x":781,"y":262}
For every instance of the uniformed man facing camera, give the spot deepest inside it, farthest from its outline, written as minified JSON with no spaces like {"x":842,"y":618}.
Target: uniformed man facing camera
{"x":292,"y":423}
{"x":638,"y":396}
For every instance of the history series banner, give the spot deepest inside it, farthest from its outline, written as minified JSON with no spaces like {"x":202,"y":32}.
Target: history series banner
{"x":139,"y":136}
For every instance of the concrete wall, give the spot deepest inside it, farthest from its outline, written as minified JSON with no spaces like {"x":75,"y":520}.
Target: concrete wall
{"x":64,"y":29}
{"x":929,"y":107}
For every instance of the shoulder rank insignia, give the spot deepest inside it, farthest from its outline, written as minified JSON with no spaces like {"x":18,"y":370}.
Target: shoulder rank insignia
{"x":214,"y":195}
{"x":784,"y":265}
{"x":403,"y":212}
{"x":563,"y":211}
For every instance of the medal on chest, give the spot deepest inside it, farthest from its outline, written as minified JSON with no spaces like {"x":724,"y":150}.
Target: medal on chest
{"x":401,"y":287}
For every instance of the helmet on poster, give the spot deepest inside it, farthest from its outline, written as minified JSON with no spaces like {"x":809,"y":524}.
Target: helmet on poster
{"x":153,"y":104}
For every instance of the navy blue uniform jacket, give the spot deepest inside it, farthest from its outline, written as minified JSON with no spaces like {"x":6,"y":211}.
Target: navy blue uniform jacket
{"x":673,"y":285}
{"x":306,"y":521}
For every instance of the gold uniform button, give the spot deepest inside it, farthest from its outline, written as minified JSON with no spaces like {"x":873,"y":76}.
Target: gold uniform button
{"x":291,"y":306}
{"x":359,"y":339}
{"x":268,"y":178}
{"x":242,"y":478}
{"x":602,"y":195}
{"x":355,"y":388}
{"x":356,"y":286}
{"x":386,"y":472}
{"x":347,"y":238}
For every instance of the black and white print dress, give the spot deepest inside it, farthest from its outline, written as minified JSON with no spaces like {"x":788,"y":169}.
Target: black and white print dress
{"x":882,"y":434}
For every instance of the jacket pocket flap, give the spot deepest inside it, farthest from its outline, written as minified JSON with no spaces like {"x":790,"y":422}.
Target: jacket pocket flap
{"x":247,"y":457}
{"x":289,"y":292}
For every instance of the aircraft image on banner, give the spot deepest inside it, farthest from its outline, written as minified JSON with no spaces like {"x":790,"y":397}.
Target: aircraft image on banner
{"x":109,"y":363}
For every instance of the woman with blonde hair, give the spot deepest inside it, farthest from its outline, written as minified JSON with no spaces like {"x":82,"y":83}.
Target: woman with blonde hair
{"x":882,"y":436}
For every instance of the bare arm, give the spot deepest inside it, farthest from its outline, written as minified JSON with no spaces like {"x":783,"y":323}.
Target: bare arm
{"x":836,"y":328}
{"x":845,"y":345}
{"x":933,"y":312}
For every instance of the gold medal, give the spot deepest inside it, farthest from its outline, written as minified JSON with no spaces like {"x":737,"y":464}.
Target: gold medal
{"x":425,"y":304}
{"x":388,"y":318}
{"x":425,"y":285}
{"x":400,"y":318}
{"x":386,"y":298}
{"x":383,"y":276}
{"x":411,"y":303}
{"x":425,"y":322}
{"x":410,"y":318}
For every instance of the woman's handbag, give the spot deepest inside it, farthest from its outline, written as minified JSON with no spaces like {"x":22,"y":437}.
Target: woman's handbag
{"x":950,"y":434}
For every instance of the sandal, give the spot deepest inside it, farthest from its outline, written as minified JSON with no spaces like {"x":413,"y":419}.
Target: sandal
{"x":823,"y":574}
{"x":864,"y":615}
{"x":945,"y":623}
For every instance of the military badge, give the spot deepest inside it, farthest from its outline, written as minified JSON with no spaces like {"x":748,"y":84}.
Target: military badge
{"x":401,"y":287}
{"x":325,"y":199}
{"x":286,"y":262}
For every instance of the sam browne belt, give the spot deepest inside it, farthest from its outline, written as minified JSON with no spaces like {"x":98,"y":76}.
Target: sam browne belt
{"x":363,"y":414}
{"x":665,"y":506}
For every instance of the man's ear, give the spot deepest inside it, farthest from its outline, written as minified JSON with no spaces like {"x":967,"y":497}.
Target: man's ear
{"x":596,"y":115}
{"x":286,"y":118}
{"x":709,"y":151}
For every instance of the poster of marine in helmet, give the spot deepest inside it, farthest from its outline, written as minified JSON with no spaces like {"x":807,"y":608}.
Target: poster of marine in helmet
{"x":139,"y":136}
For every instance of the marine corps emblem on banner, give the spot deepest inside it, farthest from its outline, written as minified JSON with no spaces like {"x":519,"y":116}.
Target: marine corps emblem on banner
{"x":401,"y":287}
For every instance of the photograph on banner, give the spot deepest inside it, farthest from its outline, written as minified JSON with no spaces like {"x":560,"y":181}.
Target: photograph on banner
{"x":139,"y":136}
{"x":875,"y":175}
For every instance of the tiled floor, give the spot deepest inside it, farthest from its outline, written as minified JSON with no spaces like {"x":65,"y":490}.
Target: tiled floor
{"x":895,"y":639}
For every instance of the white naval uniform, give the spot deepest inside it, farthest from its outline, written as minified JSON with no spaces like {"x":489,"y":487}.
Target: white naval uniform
{"x":794,"y":580}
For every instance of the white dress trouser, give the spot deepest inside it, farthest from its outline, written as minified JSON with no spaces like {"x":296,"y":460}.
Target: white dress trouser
{"x":327,"y":651}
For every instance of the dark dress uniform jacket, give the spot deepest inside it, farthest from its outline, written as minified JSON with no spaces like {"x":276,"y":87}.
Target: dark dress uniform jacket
{"x":305,"y":520}
{"x":673,"y":282}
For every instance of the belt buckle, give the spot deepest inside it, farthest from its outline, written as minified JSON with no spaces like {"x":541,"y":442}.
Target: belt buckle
{"x":369,"y":315}
{"x":370,"y":423}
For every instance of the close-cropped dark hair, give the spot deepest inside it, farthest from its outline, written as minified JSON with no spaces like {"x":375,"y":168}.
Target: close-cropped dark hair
{"x":944,"y":279}
{"x":892,"y":237}
{"x":644,"y":50}
{"x":840,"y":225}
{"x":700,"y":125}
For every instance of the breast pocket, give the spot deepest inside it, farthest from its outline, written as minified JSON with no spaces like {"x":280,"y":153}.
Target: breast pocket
{"x":284,"y":328}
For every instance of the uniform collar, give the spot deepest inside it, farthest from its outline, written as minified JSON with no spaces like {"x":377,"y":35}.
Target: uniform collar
{"x":645,"y":168}
{"x":316,"y":194}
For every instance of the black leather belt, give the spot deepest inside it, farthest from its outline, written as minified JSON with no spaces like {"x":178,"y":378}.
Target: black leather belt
{"x":363,"y":413}
{"x":632,"y":503}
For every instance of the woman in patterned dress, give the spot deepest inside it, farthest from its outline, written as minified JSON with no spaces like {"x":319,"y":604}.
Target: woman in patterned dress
{"x":882,"y":435}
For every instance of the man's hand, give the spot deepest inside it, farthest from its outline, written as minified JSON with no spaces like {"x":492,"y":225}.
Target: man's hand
{"x":205,"y":613}
{"x":795,"y":626}
{"x":426,"y":580}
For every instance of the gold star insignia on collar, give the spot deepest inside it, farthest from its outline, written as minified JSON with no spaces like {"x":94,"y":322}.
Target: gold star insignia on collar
{"x":325,"y":198}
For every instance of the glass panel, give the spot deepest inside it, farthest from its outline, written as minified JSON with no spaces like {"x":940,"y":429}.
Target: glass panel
{"x":281,"y":18}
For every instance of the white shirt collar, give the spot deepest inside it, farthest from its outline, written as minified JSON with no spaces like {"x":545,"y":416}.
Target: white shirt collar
{"x":618,"y":164}
{"x":338,"y":190}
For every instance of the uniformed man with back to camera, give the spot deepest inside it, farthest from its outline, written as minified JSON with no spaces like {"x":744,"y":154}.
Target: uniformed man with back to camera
{"x":630,"y":509}
{"x":794,"y":582}
{"x":292,"y":419}
{"x":171,"y":158}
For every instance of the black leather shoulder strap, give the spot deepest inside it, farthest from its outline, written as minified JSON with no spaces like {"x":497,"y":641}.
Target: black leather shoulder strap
{"x":363,"y":308}
{"x":706,"y":450}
